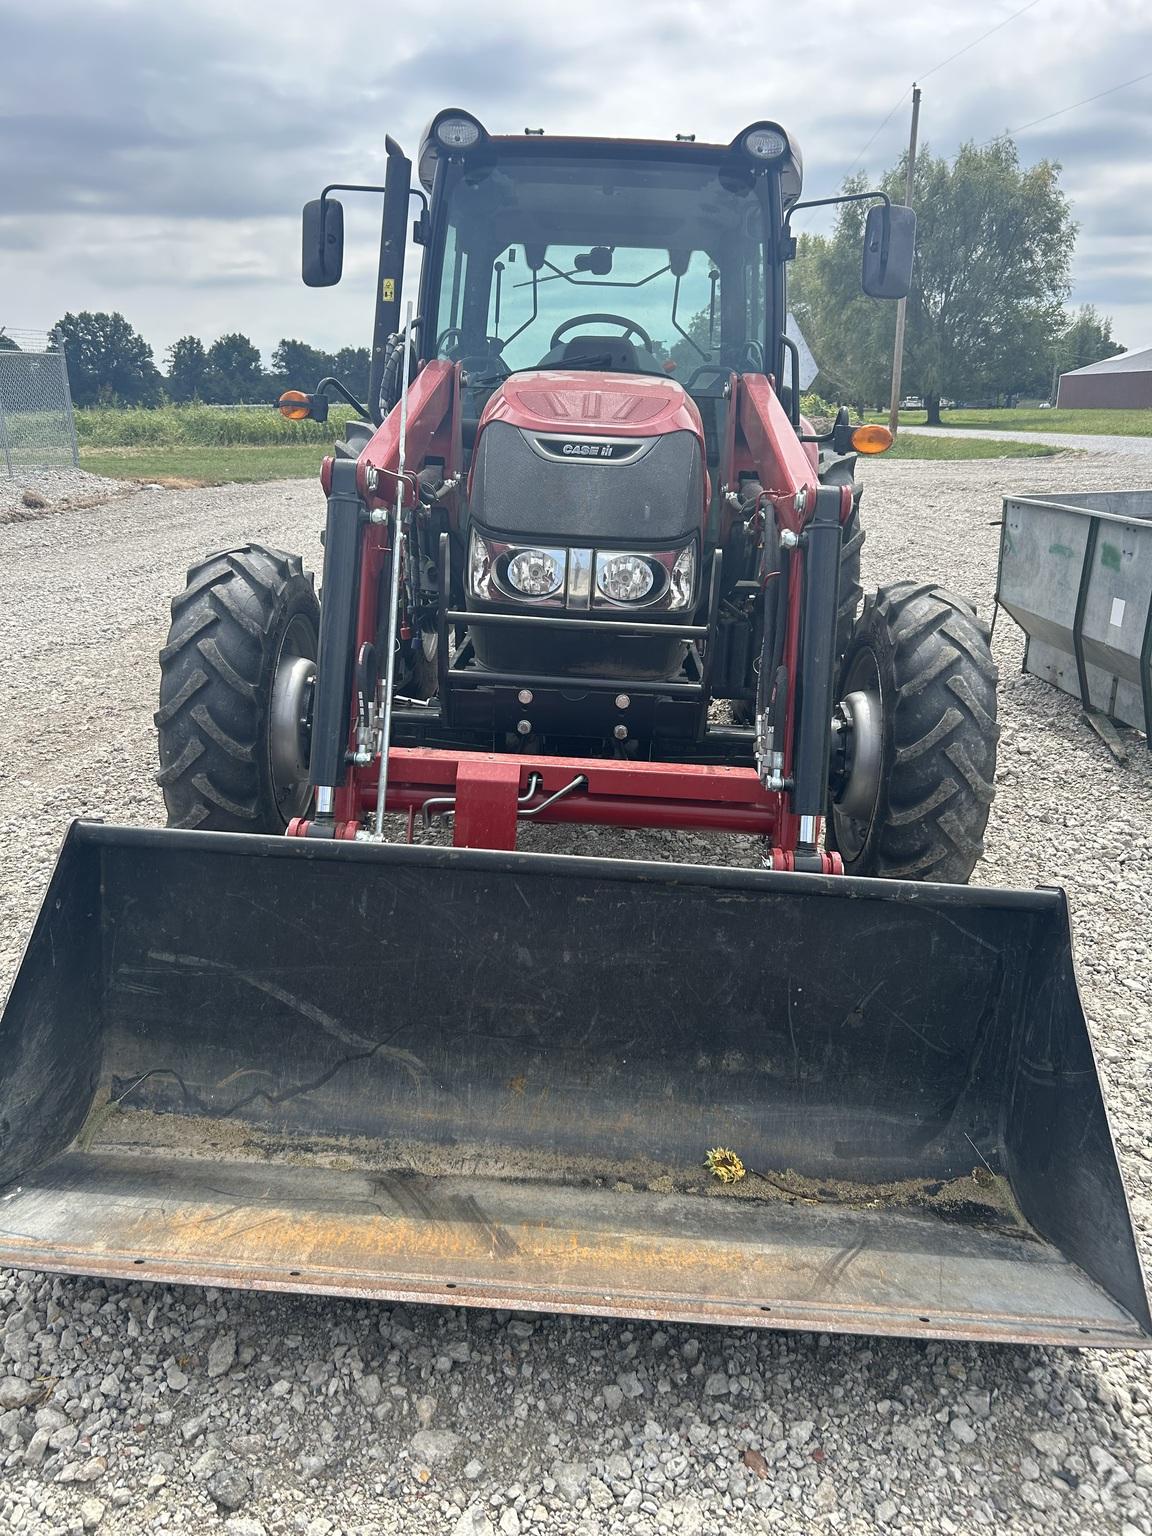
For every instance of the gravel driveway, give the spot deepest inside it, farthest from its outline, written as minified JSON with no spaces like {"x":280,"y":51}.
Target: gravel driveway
{"x":139,"y":1407}
{"x":1091,"y":442}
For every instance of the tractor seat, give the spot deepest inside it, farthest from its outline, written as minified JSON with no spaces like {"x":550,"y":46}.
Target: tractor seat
{"x":620,"y":349}
{"x":623,"y":356}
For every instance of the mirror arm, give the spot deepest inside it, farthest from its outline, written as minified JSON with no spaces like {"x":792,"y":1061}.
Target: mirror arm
{"x":830,"y":202}
{"x":328,"y":384}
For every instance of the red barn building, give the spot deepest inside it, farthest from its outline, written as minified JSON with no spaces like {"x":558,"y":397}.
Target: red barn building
{"x":1118,"y":383}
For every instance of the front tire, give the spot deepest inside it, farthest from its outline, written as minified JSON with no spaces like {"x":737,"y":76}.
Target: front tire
{"x":235,"y":684}
{"x":919,"y":687}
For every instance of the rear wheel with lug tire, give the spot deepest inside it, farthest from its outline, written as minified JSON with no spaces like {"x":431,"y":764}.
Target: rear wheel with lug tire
{"x":236,"y":680}
{"x":911,"y":793}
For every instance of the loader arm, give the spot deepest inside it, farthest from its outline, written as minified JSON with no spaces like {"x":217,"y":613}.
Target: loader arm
{"x":356,"y":549}
{"x":806,"y":518}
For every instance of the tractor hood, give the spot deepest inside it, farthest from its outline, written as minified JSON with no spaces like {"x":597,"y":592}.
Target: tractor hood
{"x":578,"y":402}
{"x":580,"y":458}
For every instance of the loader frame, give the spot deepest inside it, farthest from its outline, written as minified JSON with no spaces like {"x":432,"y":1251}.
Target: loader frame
{"x":715,"y":781}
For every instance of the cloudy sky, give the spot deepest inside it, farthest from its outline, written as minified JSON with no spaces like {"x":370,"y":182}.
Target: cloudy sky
{"x":153,"y":159}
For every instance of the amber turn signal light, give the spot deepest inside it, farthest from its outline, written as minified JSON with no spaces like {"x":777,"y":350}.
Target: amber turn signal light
{"x":871,"y":439}
{"x":295,"y":405}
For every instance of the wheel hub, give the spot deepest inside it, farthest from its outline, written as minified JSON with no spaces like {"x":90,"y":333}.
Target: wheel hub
{"x":289,"y":724}
{"x":861,"y":713}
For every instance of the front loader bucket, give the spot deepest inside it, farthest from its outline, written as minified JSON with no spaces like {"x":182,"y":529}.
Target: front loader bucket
{"x":492,"y":1079}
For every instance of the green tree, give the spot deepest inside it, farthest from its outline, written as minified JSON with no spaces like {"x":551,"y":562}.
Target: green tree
{"x":296,"y":365}
{"x":1087,"y":339}
{"x":352,"y":365}
{"x":7,"y":344}
{"x":235,"y":373}
{"x":850,"y":335}
{"x":109,"y":363}
{"x":994,"y":245}
{"x":187,"y":370}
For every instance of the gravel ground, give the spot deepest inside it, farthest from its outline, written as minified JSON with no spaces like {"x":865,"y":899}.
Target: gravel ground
{"x":35,"y":493}
{"x":138,"y":1407}
{"x":1092,"y":442}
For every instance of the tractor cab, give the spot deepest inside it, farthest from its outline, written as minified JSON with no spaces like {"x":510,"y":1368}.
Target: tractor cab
{"x":636,"y":258}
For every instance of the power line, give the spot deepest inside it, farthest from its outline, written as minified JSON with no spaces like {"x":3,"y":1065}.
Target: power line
{"x":860,"y":157}
{"x":1048,"y":116}
{"x":976,"y":41}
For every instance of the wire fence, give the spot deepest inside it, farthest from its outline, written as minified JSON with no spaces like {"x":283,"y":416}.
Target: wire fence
{"x":37,"y":427}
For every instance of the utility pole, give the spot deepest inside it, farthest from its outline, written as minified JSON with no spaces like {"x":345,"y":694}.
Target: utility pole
{"x":902,"y":305}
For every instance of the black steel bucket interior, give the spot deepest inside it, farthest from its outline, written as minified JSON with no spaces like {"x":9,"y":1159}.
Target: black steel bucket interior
{"x":473,"y":1076}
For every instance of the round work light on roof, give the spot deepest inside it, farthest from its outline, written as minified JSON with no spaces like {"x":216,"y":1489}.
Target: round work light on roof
{"x":458,"y":132}
{"x":765,"y":143}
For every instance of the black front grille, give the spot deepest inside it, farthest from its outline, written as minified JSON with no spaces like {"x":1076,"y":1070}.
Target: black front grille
{"x":655,"y":498}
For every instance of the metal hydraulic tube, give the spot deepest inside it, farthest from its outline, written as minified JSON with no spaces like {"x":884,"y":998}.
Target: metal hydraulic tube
{"x":331,"y":712}
{"x":818,"y":658}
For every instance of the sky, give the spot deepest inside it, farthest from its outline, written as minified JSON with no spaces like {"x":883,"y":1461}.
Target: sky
{"x":154,"y":159}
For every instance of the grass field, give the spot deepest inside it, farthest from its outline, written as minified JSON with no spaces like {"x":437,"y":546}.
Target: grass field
{"x":1111,"y":423}
{"x":963,"y":448}
{"x":212,"y":464}
{"x":189,"y":466}
{"x":205,"y":426}
{"x":203,"y":445}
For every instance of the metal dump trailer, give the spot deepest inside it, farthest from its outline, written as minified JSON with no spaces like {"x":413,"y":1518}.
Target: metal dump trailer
{"x":1076,"y":575}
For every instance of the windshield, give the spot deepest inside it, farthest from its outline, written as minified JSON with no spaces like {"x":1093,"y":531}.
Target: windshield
{"x":628,"y":265}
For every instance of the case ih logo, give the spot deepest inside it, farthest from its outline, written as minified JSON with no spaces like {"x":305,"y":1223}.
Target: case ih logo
{"x":581,"y":448}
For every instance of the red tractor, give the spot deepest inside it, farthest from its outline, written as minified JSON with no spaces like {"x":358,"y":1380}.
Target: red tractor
{"x":584,"y":561}
{"x":612,"y":517}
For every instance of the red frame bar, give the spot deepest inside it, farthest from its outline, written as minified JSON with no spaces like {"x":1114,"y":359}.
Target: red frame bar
{"x":486,"y":791}
{"x":701,"y":796}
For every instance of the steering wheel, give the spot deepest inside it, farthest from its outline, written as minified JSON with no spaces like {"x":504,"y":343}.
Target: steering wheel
{"x":752,"y":357}
{"x":630,"y":328}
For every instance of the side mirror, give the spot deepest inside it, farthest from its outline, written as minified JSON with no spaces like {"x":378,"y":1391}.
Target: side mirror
{"x":889,"y":245}
{"x":598,"y":261}
{"x":322,"y":253}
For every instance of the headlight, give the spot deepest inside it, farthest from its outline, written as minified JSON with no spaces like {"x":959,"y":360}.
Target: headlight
{"x":683,"y":579}
{"x":624,"y":578}
{"x":457,"y":132}
{"x":765,"y":143}
{"x":536,"y":572}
